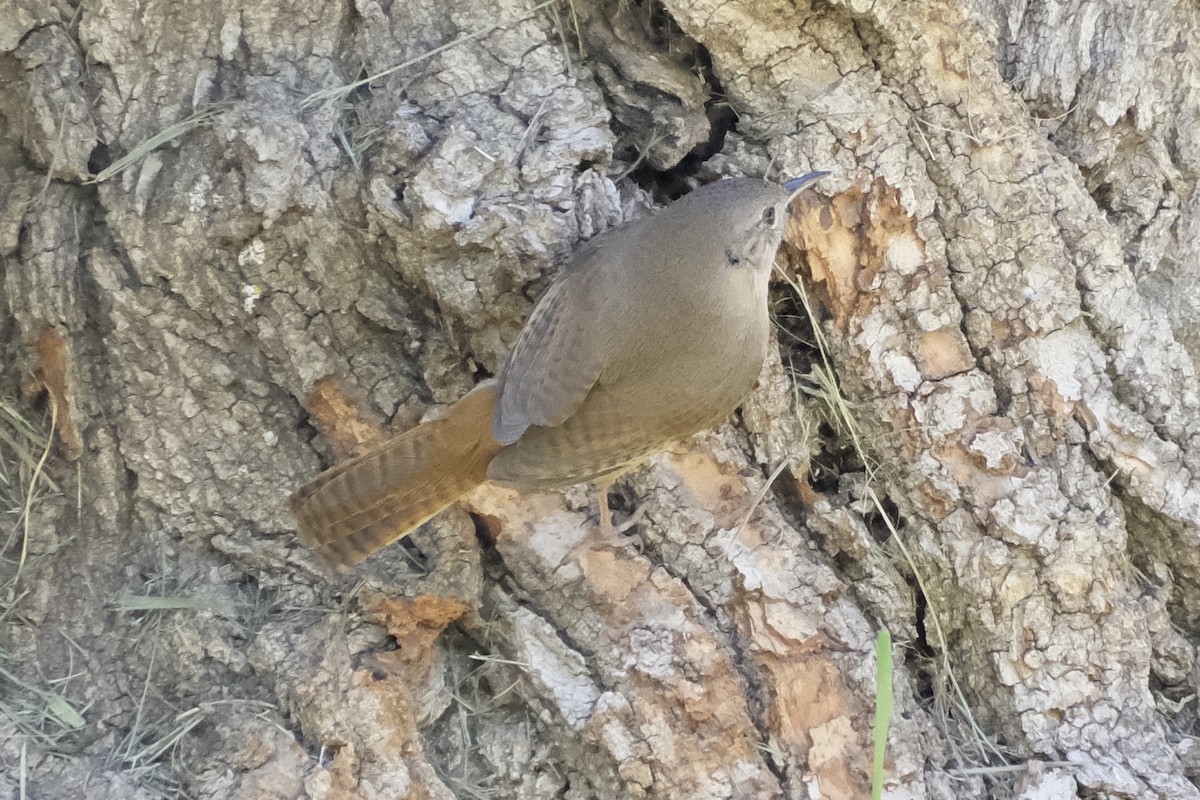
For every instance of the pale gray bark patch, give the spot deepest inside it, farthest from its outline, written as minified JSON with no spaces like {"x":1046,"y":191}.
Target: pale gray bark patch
{"x":46,"y":97}
{"x":1125,"y":75}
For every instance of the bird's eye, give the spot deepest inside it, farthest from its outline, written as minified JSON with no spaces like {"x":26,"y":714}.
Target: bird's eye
{"x":768,"y":216}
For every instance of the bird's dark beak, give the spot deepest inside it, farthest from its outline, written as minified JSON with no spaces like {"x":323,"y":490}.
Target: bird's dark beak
{"x":796,"y":185}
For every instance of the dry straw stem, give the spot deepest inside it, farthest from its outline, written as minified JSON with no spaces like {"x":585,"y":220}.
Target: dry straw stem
{"x":18,"y":439}
{"x":130,"y":603}
{"x":840,"y":411}
{"x":38,"y":713}
{"x":55,"y":708}
{"x":147,"y":755}
{"x":30,"y":494}
{"x":828,"y":390}
{"x":20,"y":477}
{"x":467,"y":772}
{"x":153,"y":143}
{"x":339,"y":92}
{"x":784,"y":463}
{"x":19,"y":442}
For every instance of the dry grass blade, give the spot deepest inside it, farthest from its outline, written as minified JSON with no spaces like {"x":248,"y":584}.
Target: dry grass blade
{"x":339,"y":92}
{"x":827,"y":390}
{"x":23,"y":482}
{"x":130,"y":603}
{"x":153,"y":143}
{"x":762,"y":493}
{"x":23,"y":769}
{"x":932,"y":615}
{"x":147,"y":751}
{"x":43,"y":714}
{"x":20,"y":440}
{"x":31,"y":494}
{"x":826,"y":387}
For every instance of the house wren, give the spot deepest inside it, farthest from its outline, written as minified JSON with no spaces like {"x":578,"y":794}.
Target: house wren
{"x":655,"y":330}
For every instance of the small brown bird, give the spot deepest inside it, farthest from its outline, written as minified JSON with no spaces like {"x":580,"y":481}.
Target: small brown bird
{"x":655,"y":330}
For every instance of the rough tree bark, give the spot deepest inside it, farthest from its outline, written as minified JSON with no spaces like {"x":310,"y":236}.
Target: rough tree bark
{"x":1004,"y":265}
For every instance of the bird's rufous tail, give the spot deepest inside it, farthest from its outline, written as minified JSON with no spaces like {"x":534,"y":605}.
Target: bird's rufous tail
{"x":350,"y":511}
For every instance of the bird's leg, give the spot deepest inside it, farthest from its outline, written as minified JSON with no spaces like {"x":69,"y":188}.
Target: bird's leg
{"x":636,"y":518}
{"x":602,"y":487}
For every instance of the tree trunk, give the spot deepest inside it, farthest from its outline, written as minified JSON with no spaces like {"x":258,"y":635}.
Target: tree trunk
{"x":1002,"y":271}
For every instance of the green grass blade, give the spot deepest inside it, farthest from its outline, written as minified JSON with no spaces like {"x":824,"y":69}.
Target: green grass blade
{"x":57,"y":706}
{"x":63,"y":711}
{"x":883,"y":708}
{"x":130,"y":603}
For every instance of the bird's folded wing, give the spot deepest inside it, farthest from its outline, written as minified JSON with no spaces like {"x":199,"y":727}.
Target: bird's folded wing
{"x":558,"y":356}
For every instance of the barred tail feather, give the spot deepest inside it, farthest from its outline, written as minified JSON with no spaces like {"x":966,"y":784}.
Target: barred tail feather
{"x":353,"y":509}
